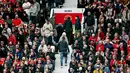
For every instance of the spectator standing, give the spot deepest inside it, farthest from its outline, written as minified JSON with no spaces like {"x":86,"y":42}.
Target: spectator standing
{"x":68,"y":28}
{"x":60,"y":30}
{"x":64,"y":35}
{"x":77,"y":24}
{"x":118,"y":7}
{"x":34,"y":10}
{"x":26,"y":7}
{"x":64,"y":50}
{"x":38,"y":10}
{"x":47,"y":28}
{"x":89,"y":22}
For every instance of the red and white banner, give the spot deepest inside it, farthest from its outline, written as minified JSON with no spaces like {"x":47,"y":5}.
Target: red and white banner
{"x":62,"y":14}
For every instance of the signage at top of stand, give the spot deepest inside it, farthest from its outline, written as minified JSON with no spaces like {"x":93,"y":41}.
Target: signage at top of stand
{"x":62,"y":14}
{"x":68,"y":10}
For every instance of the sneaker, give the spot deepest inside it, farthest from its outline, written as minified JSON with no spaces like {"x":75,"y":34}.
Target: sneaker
{"x":61,"y":66}
{"x":65,"y":64}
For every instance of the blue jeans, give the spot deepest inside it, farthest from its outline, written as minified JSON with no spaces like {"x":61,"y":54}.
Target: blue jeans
{"x":106,"y":69}
{"x":62,"y":55}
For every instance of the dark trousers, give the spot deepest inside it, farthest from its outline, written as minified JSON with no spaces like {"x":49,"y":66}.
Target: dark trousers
{"x":56,"y":49}
{"x":68,"y":34}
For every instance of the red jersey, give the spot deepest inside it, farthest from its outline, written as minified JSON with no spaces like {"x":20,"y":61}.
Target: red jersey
{"x":4,"y":1}
{"x":121,"y":62}
{"x":2,"y":21}
{"x":116,"y":39}
{"x":101,"y":35}
{"x":128,"y":49}
{"x":16,"y":22}
{"x":12,"y":39}
{"x":100,"y":46}
{"x":92,"y":40}
{"x":12,"y":1}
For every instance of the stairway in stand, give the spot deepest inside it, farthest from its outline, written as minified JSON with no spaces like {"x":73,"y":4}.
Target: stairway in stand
{"x":70,"y":4}
{"x":58,"y":68}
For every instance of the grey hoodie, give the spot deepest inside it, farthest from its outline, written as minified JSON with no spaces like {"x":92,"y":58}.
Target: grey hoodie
{"x":35,"y":8}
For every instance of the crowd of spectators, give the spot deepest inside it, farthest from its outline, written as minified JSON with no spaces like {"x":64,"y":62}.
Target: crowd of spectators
{"x":106,"y":50}
{"x":27,"y":38}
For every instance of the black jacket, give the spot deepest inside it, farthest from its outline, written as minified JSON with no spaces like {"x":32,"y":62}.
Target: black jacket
{"x":63,"y":47}
{"x":68,"y":25}
{"x":86,"y":11}
{"x":21,"y":39}
{"x":60,"y":30}
{"x":4,"y":38}
{"x":89,"y":20}
{"x":78,"y":24}
{"x":50,"y":40}
{"x":3,"y":53}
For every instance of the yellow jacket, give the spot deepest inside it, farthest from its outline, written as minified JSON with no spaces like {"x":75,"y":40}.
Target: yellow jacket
{"x":95,"y":71}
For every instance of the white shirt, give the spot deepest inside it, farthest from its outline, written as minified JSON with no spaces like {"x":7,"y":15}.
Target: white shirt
{"x":47,"y":28}
{"x":27,"y":10}
{"x":44,"y":48}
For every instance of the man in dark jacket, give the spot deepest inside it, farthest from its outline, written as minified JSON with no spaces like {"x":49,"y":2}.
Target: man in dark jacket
{"x":60,"y":30}
{"x":68,"y":28}
{"x":89,"y":22}
{"x":4,"y":38}
{"x":77,"y":23}
{"x":51,"y":39}
{"x":64,"y":50}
